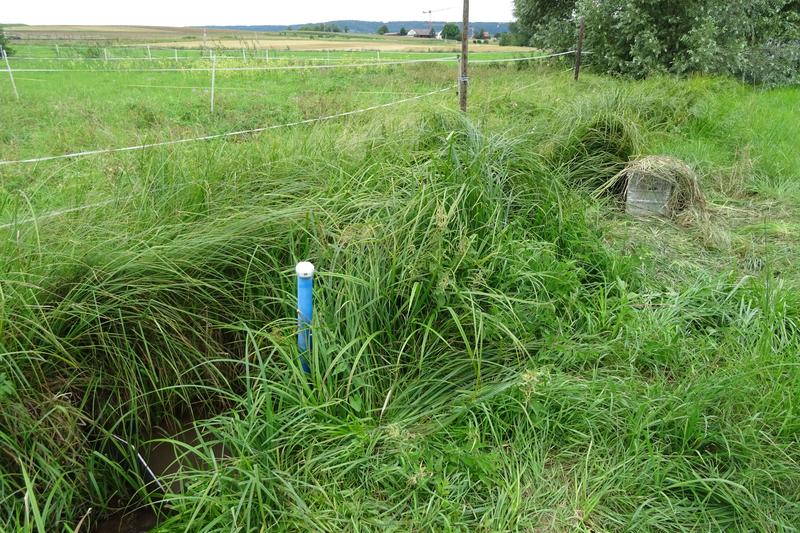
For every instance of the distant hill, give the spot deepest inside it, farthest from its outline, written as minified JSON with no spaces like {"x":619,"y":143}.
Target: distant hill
{"x":367,"y":26}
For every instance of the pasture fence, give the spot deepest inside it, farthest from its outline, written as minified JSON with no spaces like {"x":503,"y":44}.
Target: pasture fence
{"x":87,"y":153}
{"x":213,"y":69}
{"x":61,"y":212}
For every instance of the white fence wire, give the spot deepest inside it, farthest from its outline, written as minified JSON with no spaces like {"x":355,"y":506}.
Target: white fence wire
{"x":366,"y":64}
{"x":188,"y":58}
{"x":233,"y":69}
{"x":221,"y":135}
{"x":55,"y":214}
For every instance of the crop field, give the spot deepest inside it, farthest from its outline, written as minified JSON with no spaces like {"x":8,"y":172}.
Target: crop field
{"x":374,"y":43}
{"x":497,"y":346}
{"x":131,"y":34}
{"x":182,"y":38}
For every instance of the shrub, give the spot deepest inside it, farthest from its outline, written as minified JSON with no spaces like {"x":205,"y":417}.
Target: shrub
{"x":753,"y":40}
{"x":94,"y":51}
{"x":4,"y":42}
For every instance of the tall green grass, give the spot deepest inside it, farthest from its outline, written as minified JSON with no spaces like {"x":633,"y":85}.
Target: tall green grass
{"x":485,"y":356}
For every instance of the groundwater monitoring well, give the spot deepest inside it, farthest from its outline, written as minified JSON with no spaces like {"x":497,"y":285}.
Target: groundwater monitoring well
{"x":658,"y":186}
{"x":647,"y":195}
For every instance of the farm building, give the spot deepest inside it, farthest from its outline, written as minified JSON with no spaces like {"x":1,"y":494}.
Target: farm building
{"x":422,"y":34}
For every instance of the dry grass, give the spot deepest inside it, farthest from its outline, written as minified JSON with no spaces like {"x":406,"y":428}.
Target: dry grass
{"x":78,"y":32}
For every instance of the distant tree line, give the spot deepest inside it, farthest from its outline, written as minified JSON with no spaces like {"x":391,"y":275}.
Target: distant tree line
{"x":383,"y":30}
{"x":758,"y":40}
{"x":325,"y":28}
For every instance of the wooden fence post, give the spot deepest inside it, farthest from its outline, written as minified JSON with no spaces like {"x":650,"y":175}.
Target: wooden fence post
{"x":213,"y":77}
{"x":463,"y":79}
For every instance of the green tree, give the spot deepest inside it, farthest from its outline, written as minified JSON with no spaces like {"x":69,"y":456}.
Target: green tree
{"x":451,"y":32}
{"x":746,"y":38}
{"x":749,"y":39}
{"x":383,"y":30}
{"x":94,"y":52}
{"x":403,"y":31}
{"x":323,"y":28}
{"x":516,"y":36}
{"x":536,"y":16}
{"x":4,"y":42}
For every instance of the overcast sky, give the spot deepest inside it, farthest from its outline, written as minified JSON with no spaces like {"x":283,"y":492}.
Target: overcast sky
{"x":240,"y":12}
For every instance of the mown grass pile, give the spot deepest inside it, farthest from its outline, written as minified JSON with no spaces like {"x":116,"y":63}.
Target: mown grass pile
{"x":483,"y":357}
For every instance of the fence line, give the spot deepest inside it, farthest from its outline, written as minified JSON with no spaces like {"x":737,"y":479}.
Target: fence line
{"x":259,"y":90}
{"x":87,"y":153}
{"x":196,"y":87}
{"x":303,"y":67}
{"x":179,"y":58}
{"x":222,"y":135}
{"x":532,"y":58}
{"x":165,"y":58}
{"x":233,"y":69}
{"x":169,"y":58}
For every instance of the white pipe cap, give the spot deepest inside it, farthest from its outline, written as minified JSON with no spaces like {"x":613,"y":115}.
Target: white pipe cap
{"x":305,"y":269}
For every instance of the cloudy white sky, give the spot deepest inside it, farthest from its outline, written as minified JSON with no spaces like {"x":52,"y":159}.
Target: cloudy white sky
{"x":237,"y":12}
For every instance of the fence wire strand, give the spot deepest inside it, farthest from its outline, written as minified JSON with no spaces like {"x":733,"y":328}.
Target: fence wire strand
{"x":365,"y":64}
{"x":222,"y":135}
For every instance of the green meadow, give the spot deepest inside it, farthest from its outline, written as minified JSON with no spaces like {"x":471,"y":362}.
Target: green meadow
{"x":496,"y":347}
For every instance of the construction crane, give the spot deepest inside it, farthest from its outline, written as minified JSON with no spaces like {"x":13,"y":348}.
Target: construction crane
{"x":430,"y":13}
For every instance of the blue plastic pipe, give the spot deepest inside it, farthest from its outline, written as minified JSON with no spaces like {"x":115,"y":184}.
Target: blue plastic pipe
{"x":305,"y":309}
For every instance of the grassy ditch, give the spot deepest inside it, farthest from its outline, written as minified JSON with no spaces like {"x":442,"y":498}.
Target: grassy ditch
{"x":494,"y":349}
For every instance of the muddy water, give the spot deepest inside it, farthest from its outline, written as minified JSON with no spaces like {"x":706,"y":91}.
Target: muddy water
{"x":166,"y":460}
{"x":140,"y":521}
